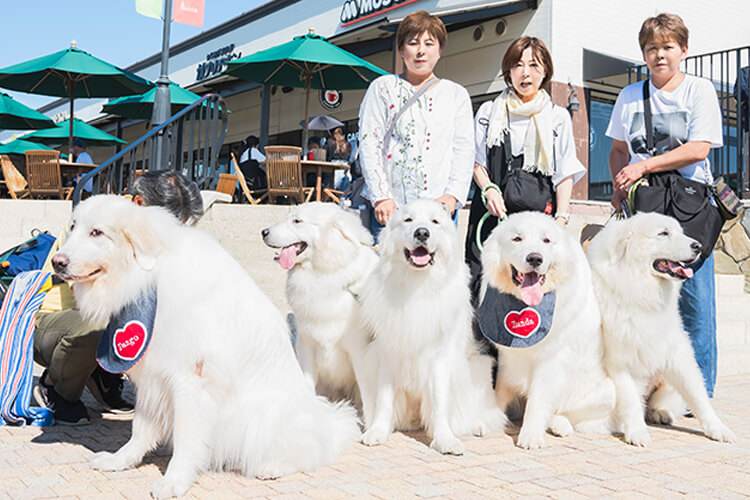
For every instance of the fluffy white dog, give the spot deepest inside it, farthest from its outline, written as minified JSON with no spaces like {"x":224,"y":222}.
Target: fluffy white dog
{"x":638,"y":268}
{"x":328,"y":254}
{"x":416,"y":302}
{"x":525,"y":259}
{"x":219,"y":380}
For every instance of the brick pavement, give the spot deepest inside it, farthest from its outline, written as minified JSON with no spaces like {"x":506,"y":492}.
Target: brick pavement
{"x":681,"y":462}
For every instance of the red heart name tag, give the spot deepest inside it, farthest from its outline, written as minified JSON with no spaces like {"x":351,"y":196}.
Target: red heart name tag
{"x":130,"y":340}
{"x":522,"y":324}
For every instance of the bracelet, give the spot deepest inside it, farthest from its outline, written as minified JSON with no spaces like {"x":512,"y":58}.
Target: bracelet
{"x":489,"y":185}
{"x":564,"y":216}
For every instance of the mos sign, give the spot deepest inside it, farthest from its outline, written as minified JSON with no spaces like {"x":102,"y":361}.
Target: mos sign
{"x":354,"y":11}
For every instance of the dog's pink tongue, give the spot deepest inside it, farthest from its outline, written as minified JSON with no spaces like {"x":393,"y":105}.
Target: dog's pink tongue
{"x":420,"y":257}
{"x":288,"y":257}
{"x":677,"y":269}
{"x":531,"y":289}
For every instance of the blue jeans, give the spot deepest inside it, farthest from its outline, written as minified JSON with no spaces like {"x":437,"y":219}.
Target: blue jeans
{"x":376,"y":227}
{"x":698,"y":312}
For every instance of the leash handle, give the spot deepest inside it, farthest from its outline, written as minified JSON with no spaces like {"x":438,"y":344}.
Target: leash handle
{"x":489,"y":185}
{"x":487,"y":214}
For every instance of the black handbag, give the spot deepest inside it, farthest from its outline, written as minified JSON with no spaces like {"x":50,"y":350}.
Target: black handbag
{"x":524,"y":190}
{"x":671,"y":194}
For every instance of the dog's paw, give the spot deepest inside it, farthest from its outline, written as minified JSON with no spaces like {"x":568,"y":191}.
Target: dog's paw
{"x":719,"y":432}
{"x":480,"y":429}
{"x":530,"y":440}
{"x":108,"y":461}
{"x":661,"y":416}
{"x":168,"y":488}
{"x":560,"y":426}
{"x":448,"y":445}
{"x":638,"y":436}
{"x":273,"y":471}
{"x":375,"y":436}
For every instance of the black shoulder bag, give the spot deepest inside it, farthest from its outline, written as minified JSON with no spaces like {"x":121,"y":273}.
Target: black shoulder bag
{"x":670,"y":193}
{"x":524,"y":190}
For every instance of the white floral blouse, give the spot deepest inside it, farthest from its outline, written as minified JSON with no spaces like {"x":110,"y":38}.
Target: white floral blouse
{"x":431,"y":148}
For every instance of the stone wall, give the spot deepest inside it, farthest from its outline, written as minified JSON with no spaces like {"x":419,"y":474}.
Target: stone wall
{"x":732,"y":252}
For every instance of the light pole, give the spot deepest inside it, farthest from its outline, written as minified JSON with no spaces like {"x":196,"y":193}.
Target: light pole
{"x":162,"y":107}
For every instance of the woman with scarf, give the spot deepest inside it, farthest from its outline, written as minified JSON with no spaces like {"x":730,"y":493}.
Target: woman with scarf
{"x":521,"y":135}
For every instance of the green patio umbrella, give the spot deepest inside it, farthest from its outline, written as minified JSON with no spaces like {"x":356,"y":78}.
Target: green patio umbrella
{"x":310,"y":62}
{"x":141,"y":106}
{"x":72,"y":73}
{"x":20,"y":146}
{"x":17,"y":116}
{"x":81,"y":130}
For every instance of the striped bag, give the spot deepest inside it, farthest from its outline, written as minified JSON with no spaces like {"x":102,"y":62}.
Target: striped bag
{"x":17,"y":314}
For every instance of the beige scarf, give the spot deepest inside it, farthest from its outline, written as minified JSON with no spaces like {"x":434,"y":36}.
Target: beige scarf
{"x":537,"y":147}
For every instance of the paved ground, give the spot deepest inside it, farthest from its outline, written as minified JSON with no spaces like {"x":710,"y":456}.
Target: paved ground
{"x":53,"y":462}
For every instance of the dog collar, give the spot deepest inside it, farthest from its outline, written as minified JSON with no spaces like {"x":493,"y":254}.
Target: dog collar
{"x":507,"y":321}
{"x":128,"y":334}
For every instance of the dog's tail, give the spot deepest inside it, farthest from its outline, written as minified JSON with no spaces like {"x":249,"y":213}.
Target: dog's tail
{"x":311,"y":433}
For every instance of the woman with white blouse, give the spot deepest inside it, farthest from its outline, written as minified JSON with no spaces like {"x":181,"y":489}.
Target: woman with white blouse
{"x":541,"y":143}
{"x":428,"y":151}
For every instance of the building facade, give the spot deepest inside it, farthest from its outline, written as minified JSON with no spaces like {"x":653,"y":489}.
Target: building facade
{"x":593,"y":45}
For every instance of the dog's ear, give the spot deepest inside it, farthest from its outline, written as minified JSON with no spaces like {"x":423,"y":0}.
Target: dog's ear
{"x":141,"y":236}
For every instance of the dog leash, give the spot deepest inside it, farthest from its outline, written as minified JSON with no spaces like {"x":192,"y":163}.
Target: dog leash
{"x":489,"y":185}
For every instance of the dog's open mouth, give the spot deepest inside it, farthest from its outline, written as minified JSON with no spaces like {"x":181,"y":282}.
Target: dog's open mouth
{"x":419,"y":257}
{"x":674,"y":269}
{"x":70,"y":277}
{"x":529,"y":286}
{"x":289,"y":254}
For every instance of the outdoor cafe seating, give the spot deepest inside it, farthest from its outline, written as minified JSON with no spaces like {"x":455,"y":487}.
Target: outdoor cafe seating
{"x":43,"y":174}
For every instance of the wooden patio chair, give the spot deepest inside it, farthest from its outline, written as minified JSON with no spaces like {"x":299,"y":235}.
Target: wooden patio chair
{"x":43,"y":172}
{"x":13,"y":179}
{"x":249,"y":194}
{"x":226,"y":184}
{"x":284,"y":174}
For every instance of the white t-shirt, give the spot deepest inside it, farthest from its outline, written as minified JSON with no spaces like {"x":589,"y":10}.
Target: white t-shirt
{"x":566,"y":162}
{"x":430,"y":151}
{"x":689,"y":113}
{"x":253,"y":154}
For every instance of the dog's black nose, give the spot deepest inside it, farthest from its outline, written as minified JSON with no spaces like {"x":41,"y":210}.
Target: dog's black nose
{"x":534,"y":259}
{"x":59,"y":262}
{"x":421,"y":234}
{"x":696,"y":247}
{"x":264,"y":232}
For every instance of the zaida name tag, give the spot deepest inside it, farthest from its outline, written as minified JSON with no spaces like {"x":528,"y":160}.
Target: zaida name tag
{"x":510,"y":322}
{"x":128,"y":334}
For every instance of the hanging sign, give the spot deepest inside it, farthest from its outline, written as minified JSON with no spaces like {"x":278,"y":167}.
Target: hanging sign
{"x":330,"y":99}
{"x":354,"y":11}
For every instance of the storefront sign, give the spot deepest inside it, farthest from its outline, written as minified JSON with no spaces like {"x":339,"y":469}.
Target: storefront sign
{"x":216,"y":61}
{"x":330,"y":99}
{"x":354,"y":11}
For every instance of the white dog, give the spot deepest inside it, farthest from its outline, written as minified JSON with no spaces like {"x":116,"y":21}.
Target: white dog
{"x":525,"y":259}
{"x":219,"y":380}
{"x":328,"y":254}
{"x":417,"y":304}
{"x":638,"y":269}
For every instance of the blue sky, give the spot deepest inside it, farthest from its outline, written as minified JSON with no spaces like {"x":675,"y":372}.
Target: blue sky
{"x":108,"y":29}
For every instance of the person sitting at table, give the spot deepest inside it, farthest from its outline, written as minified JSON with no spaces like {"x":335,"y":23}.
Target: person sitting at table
{"x":250,"y":164}
{"x":81,"y":156}
{"x":338,"y":150}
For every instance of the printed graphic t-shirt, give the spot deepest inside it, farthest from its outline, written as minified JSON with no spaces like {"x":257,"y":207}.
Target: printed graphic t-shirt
{"x":687,"y":114}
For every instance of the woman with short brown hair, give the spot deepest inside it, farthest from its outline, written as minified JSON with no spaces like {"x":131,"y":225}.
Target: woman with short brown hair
{"x":520,"y":133}
{"x":416,"y":146}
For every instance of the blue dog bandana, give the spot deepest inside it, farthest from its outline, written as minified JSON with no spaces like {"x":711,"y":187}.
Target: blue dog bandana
{"x":128,"y":334}
{"x":507,"y":321}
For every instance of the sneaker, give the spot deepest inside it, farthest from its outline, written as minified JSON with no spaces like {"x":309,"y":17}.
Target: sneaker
{"x":107,"y":390}
{"x":65,"y":412}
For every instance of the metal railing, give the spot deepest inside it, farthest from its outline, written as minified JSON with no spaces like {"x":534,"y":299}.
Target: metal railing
{"x":722,"y":68}
{"x":193,"y":138}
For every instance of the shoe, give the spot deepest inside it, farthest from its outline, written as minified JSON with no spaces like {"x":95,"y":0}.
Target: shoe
{"x":107,"y":390}
{"x":65,"y":412}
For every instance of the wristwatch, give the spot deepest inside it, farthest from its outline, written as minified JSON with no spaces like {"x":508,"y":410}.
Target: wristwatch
{"x":564,"y":216}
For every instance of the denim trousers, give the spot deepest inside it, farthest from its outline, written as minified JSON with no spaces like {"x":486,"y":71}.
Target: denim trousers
{"x":698,"y":312}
